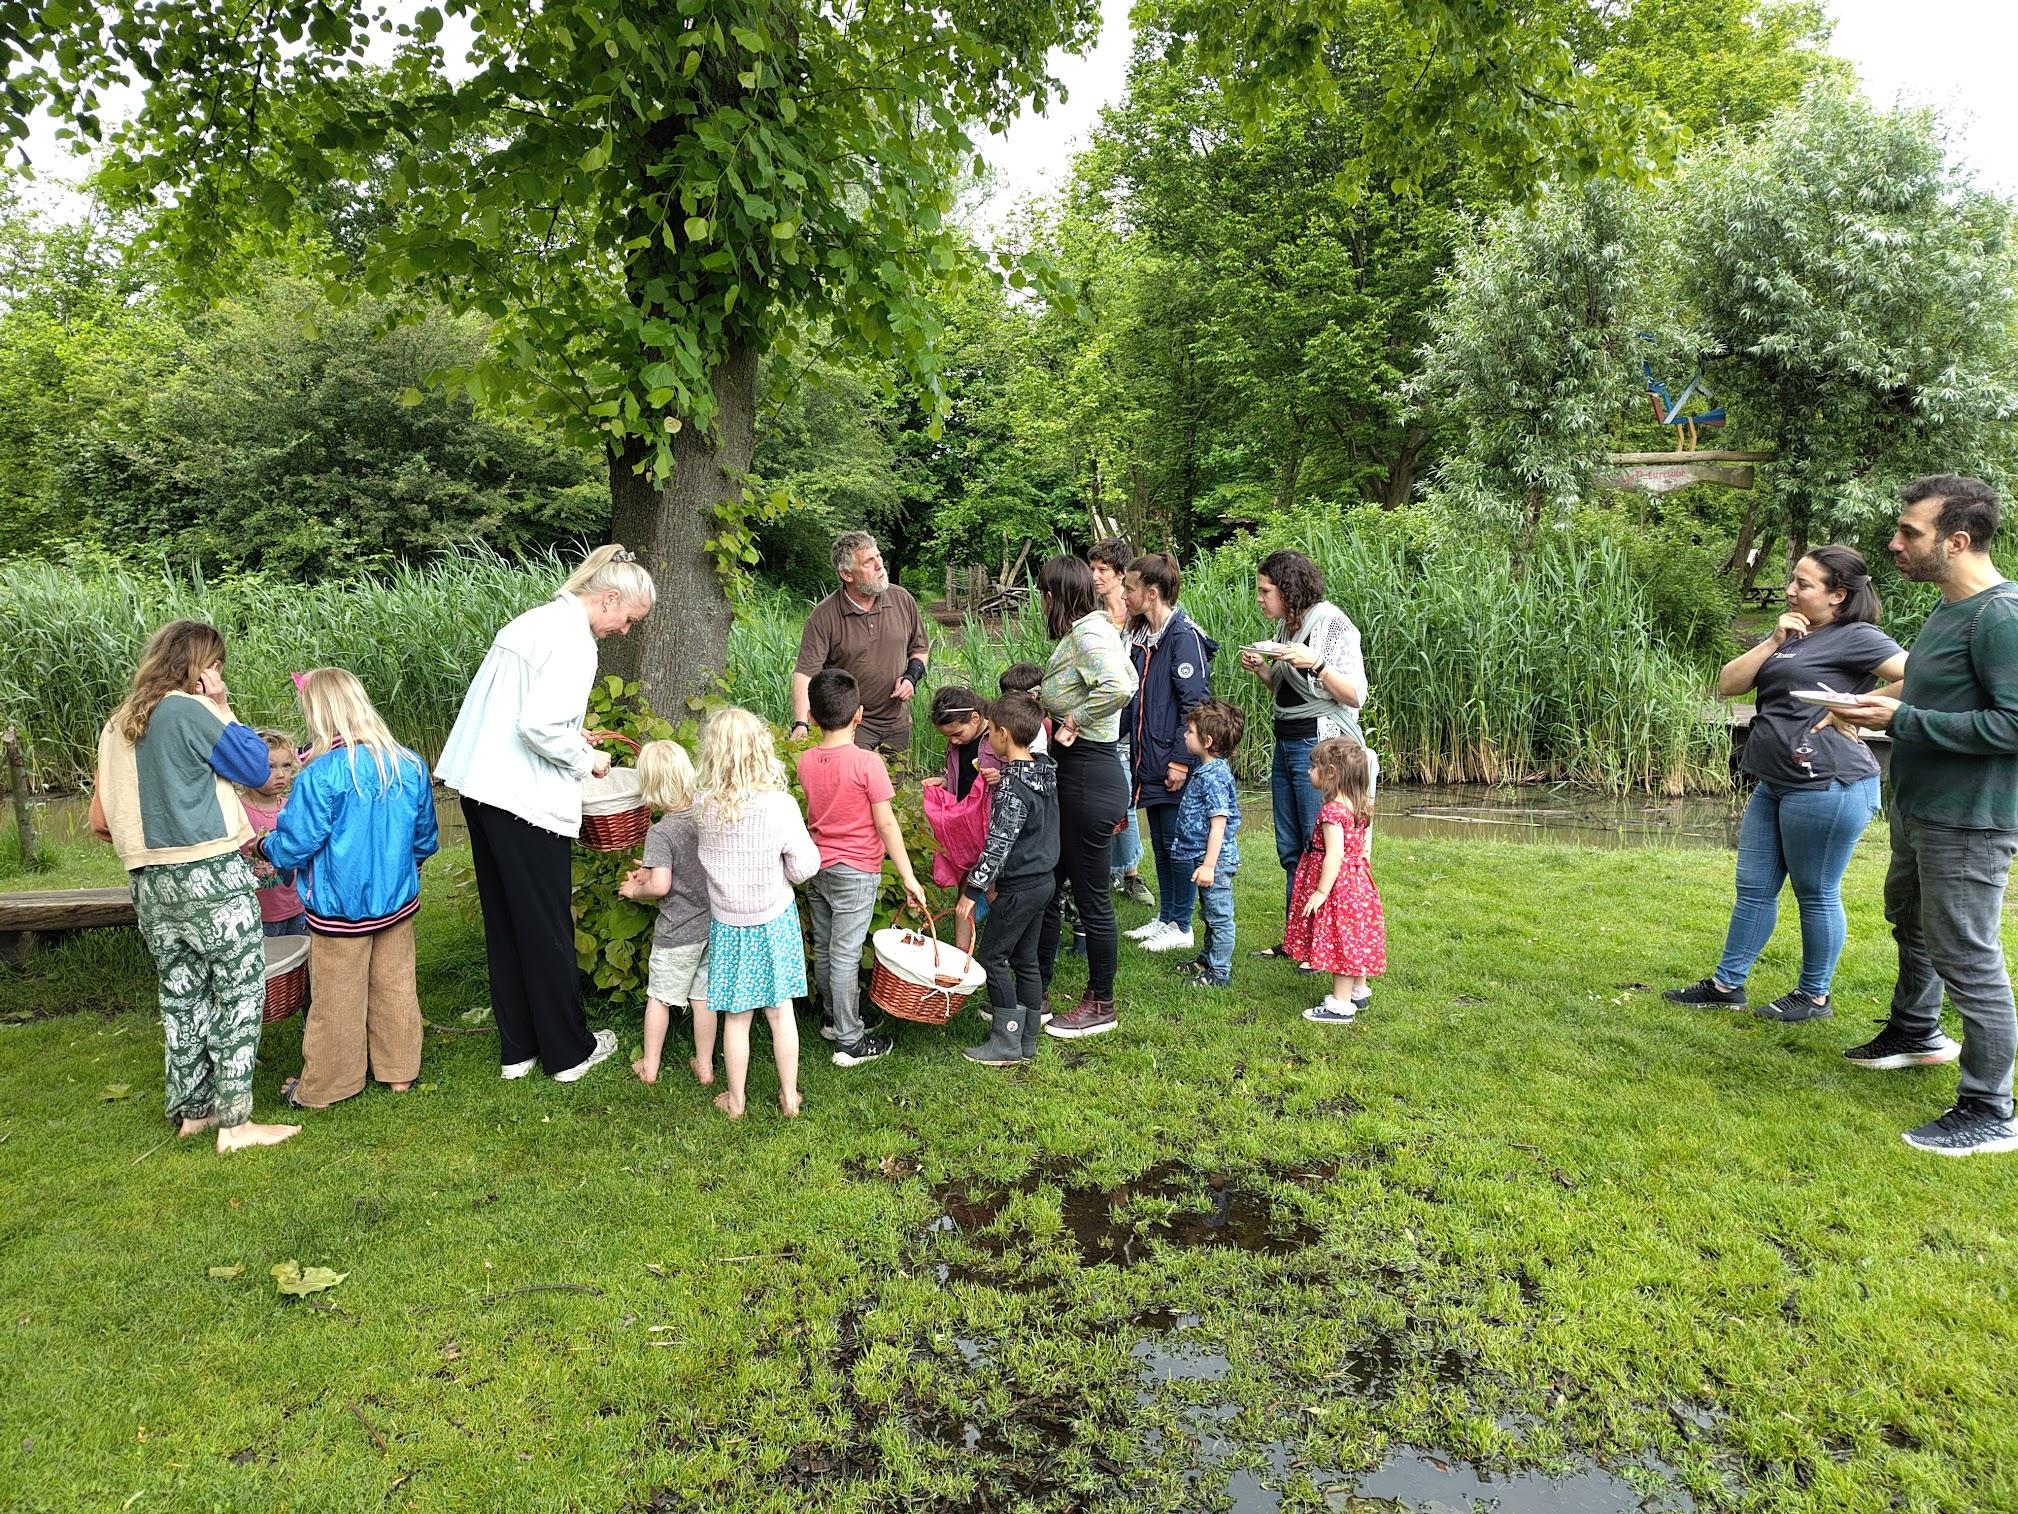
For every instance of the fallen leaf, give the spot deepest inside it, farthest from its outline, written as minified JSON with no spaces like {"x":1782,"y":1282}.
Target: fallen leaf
{"x":655,"y":1269}
{"x":113,"y":1091}
{"x":475,"y":1016}
{"x":232,"y":1271}
{"x":451,"y":1351}
{"x":291,"y":1278}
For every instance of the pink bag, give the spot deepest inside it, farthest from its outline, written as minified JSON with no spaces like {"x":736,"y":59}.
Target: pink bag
{"x":960,"y":826}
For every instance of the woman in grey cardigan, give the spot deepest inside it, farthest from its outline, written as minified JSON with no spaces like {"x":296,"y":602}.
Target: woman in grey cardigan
{"x":1319,"y":683}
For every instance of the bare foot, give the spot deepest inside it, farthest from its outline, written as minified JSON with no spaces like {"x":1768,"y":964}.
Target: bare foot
{"x":399,"y":1087}
{"x":648,"y":1072}
{"x":704,"y":1073}
{"x":729,"y":1104}
{"x":791,"y":1104}
{"x":238,"y":1137}
{"x":189,"y":1128}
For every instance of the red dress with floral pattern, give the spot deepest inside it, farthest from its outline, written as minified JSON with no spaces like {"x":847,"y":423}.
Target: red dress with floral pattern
{"x":1349,"y":933}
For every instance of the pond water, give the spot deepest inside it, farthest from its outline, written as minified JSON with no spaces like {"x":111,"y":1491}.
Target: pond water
{"x":1531,"y":812}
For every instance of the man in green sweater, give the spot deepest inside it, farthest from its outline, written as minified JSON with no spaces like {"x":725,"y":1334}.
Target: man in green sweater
{"x":1953,"y":813}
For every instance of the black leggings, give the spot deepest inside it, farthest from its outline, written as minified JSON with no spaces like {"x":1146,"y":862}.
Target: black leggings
{"x":1092,"y":798}
{"x":522,"y":884}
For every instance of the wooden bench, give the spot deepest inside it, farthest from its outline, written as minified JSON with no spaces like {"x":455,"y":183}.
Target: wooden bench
{"x":32,"y":911}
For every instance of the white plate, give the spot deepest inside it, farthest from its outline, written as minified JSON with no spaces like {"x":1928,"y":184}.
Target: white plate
{"x":1267,"y":648}
{"x":1828,"y":699}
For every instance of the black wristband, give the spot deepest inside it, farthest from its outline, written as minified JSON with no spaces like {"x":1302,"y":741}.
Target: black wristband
{"x":914,"y":671}
{"x":797,"y":723}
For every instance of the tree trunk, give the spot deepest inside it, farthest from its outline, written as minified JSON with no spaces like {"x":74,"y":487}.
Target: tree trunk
{"x":1399,"y":485}
{"x":1739,"y":561}
{"x":682,"y":647}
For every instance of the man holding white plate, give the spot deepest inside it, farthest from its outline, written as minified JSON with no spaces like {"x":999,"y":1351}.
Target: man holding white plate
{"x":1954,"y":814}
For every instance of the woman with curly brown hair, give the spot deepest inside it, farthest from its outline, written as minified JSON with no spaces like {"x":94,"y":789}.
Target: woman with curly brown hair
{"x":1318,"y":679}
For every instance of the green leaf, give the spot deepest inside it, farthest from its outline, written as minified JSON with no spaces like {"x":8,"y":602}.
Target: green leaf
{"x":296,"y":1281}
{"x":232,"y":1271}
{"x":113,"y":1091}
{"x":696,"y":228}
{"x":785,"y":230}
{"x":410,"y":396}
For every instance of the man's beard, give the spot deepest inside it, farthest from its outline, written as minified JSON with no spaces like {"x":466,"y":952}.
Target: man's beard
{"x":871,"y":588}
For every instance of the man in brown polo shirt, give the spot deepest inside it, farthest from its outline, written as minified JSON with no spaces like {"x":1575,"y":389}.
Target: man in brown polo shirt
{"x":872,"y":628}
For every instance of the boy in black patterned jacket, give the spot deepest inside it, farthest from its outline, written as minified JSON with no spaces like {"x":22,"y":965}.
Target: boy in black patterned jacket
{"x":1014,"y":874}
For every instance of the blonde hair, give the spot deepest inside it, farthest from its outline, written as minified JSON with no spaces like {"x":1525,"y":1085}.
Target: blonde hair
{"x":175,"y":658}
{"x":1344,"y":774}
{"x":612,"y":567}
{"x":738,"y":761}
{"x":665,"y":776}
{"x":279,"y":741}
{"x":337,"y":709}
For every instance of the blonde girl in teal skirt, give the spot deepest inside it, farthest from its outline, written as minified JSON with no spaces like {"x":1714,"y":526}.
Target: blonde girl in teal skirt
{"x":754,"y":847}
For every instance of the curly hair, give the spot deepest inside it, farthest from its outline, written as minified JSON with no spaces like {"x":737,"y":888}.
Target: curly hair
{"x":1296,"y":579}
{"x":738,"y":761}
{"x":1220,"y":725}
{"x":174,"y":661}
{"x":665,"y":776}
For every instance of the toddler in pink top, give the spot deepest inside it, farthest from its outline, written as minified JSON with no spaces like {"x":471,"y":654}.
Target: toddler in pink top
{"x":280,"y":910}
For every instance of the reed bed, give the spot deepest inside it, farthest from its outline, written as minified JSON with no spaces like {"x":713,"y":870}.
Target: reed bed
{"x":1480,"y":671}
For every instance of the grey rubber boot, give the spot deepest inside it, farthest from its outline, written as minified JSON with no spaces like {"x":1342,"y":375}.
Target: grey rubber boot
{"x":1005,"y":1040}
{"x":1033,"y":1033}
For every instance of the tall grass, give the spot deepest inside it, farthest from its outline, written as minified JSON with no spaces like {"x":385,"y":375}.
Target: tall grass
{"x":1480,"y":671}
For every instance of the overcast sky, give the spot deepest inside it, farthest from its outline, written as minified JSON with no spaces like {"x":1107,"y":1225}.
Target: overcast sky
{"x":1953,"y":54}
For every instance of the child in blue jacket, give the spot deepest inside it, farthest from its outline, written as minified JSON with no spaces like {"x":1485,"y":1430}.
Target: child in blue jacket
{"x":357,"y":826}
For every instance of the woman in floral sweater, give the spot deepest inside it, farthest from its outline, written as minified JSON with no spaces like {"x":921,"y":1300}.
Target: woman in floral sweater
{"x":1086,"y":684}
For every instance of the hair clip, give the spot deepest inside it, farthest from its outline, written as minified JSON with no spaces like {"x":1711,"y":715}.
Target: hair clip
{"x":624,"y":554}
{"x":300,"y":682}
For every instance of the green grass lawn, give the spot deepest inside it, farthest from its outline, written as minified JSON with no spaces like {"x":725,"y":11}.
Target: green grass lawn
{"x":1524,"y":1215}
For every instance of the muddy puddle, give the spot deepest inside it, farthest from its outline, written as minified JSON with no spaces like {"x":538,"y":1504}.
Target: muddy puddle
{"x":1169,"y":1206}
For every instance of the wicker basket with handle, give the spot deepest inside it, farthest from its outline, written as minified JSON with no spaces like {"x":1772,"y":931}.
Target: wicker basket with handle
{"x":286,"y":977}
{"x":615,"y":816}
{"x":919,"y":979}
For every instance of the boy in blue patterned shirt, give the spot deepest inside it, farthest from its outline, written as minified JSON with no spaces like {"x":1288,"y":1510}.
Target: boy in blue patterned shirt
{"x":1208,"y":821}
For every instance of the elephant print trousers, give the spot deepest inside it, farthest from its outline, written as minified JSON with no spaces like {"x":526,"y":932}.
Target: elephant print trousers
{"x":200,"y":921}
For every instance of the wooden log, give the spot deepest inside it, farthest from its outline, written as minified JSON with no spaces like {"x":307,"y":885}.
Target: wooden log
{"x":66,"y":909}
{"x":17,"y":778}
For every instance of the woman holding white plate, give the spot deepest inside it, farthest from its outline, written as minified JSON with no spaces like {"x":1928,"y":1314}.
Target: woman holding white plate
{"x":1816,"y":784}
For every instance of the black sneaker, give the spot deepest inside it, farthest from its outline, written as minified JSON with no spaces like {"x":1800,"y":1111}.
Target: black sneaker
{"x":1191,"y":968}
{"x":1967,"y":1130}
{"x":1704,"y":994}
{"x":1892,"y":1048}
{"x":867,"y":1049}
{"x":1792,"y":1007}
{"x":1207,"y":980}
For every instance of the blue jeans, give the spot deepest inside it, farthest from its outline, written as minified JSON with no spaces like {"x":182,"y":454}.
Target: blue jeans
{"x":296,"y":925}
{"x":1126,"y":852}
{"x":1174,"y":889}
{"x":1296,"y":807}
{"x":1806,"y":835}
{"x":842,"y":901}
{"x":1217,"y":903}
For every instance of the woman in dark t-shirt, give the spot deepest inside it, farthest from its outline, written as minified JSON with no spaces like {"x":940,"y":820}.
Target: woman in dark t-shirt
{"x":1815,"y":786}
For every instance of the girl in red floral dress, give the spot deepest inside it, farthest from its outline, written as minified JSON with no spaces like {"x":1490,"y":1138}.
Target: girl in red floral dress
{"x":1335,"y":920}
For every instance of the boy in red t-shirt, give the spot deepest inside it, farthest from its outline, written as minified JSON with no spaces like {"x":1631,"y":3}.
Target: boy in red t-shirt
{"x":848,"y":811}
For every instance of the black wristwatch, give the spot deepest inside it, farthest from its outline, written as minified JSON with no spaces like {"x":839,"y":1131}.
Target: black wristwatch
{"x":799,"y":725}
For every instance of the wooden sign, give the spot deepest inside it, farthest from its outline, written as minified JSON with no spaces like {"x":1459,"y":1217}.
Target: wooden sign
{"x":1666,"y":477}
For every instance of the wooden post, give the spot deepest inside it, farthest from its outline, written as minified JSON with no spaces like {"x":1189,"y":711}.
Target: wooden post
{"x":952,"y":590}
{"x":17,"y":778}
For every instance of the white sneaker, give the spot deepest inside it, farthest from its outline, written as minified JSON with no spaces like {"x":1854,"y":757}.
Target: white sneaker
{"x":1171,"y":940}
{"x":1144,"y":932}
{"x":602,"y":1051}
{"x":518,"y":1069}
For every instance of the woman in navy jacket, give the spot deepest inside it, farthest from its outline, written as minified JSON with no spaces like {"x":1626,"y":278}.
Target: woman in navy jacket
{"x":1173,"y":665}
